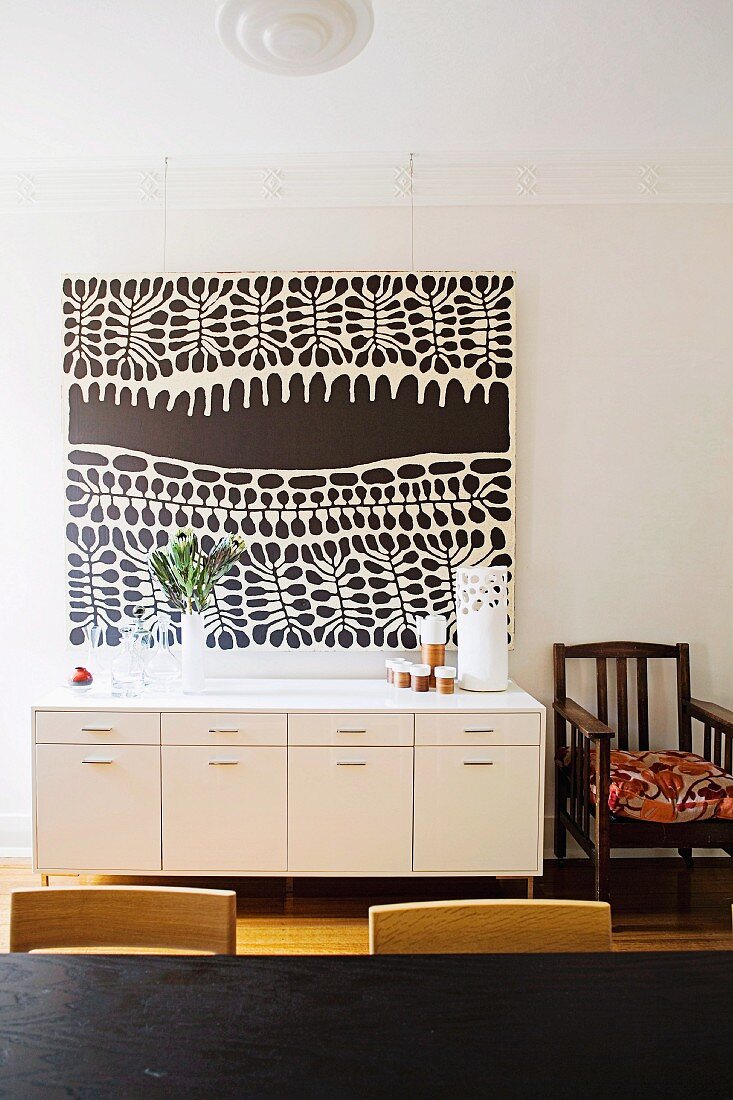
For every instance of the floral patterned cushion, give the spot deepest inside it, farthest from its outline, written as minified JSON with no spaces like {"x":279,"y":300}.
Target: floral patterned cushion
{"x":664,"y":786}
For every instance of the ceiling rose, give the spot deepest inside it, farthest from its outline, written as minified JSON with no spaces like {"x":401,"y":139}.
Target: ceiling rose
{"x":295,"y":37}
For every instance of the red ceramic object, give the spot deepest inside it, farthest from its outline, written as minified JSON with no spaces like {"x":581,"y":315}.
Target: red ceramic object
{"x":81,"y":678}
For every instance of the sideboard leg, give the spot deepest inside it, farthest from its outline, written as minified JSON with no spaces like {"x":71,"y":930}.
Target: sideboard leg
{"x":44,"y":880}
{"x":530,"y":886}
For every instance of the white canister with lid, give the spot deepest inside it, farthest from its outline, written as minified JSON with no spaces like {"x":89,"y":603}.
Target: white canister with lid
{"x":420,"y":677}
{"x":445,"y":679}
{"x":401,"y":673}
{"x":433,"y":629}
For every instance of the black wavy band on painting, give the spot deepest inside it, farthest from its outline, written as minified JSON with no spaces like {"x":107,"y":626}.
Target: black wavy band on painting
{"x":298,"y":434}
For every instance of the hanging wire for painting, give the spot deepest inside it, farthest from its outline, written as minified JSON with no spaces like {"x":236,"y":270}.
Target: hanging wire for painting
{"x":412,"y":213}
{"x":165,"y":210}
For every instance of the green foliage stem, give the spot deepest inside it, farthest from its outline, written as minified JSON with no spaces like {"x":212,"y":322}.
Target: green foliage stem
{"x":187,"y":575}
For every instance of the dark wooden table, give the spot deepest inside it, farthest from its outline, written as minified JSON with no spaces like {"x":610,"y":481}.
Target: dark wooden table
{"x":643,"y":1025}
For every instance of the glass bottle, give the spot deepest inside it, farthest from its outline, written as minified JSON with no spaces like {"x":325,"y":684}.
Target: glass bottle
{"x":96,"y":659}
{"x":144,"y":638}
{"x":162,"y":671}
{"x":93,"y":640}
{"x":128,"y":667}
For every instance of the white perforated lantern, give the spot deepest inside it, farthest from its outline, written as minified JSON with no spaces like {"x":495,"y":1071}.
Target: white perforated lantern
{"x":482,"y":610}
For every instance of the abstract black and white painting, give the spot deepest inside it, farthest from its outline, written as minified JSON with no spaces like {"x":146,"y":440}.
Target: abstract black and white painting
{"x":356,"y":427}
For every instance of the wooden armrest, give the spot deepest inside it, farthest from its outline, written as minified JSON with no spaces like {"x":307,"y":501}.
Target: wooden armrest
{"x":582,"y":719}
{"x":719,"y":717}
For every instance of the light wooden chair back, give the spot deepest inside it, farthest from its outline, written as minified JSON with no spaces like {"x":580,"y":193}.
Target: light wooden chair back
{"x":164,"y":917}
{"x":489,"y":927}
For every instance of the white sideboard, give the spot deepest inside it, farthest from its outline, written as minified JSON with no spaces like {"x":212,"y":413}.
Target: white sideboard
{"x":289,"y":777}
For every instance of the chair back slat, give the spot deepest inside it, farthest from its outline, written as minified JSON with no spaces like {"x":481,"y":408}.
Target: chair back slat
{"x":573,"y":771}
{"x":124,"y":916}
{"x":622,"y":703}
{"x":602,"y":688}
{"x":717,"y":748}
{"x":489,"y":927}
{"x":684,"y":722}
{"x":558,"y":657}
{"x":728,"y":762}
{"x":586,"y":784}
{"x":707,"y":740}
{"x":642,"y":702}
{"x":579,"y":791}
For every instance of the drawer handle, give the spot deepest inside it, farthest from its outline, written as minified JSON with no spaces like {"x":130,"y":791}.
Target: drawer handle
{"x":217,"y":762}
{"x":475,"y":729}
{"x":107,"y":760}
{"x":478,"y":763}
{"x":350,"y":731}
{"x":223,"y":731}
{"x":351,"y":763}
{"x":96,"y":729}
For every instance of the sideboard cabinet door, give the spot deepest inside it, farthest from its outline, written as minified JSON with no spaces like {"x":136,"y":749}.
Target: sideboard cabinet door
{"x":98,"y":807}
{"x":350,"y":809}
{"x":477,"y":808}
{"x":224,"y":808}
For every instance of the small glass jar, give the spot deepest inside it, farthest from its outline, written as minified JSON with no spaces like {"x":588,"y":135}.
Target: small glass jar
{"x":162,"y":671}
{"x":389,"y":666}
{"x":420,"y":677}
{"x":445,"y":679}
{"x":128,"y":669}
{"x":401,"y":674}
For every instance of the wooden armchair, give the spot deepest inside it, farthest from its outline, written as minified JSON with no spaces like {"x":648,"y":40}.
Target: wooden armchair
{"x":621,"y":797}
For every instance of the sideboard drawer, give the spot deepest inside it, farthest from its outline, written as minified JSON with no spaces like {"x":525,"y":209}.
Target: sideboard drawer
{"x":79,"y":727}
{"x":351,"y":730}
{"x":477,"y":810}
{"x":98,"y":807}
{"x":350,"y":808}
{"x":222,"y":728}
{"x":477,"y":729}
{"x":225,"y":809}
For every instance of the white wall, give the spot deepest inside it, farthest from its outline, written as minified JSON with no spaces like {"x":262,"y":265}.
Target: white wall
{"x":625,"y":396}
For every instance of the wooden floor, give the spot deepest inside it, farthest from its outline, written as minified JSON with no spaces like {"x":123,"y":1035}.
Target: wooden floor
{"x":658,"y":904}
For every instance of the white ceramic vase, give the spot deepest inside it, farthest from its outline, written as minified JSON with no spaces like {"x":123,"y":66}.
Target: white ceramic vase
{"x":482,"y":613}
{"x":194,"y":645}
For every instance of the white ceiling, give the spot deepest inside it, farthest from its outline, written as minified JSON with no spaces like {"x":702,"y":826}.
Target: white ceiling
{"x":127,"y":77}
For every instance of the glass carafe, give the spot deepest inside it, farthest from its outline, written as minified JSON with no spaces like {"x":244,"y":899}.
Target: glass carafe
{"x":143,"y":637}
{"x":162,"y":671}
{"x":128,"y":669}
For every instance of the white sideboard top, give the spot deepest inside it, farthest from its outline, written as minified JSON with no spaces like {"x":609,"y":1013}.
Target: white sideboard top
{"x":298,"y":695}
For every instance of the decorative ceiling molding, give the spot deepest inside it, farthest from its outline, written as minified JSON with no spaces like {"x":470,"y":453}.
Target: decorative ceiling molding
{"x":85,"y":185}
{"x":556,"y":178}
{"x":230,"y":183}
{"x":380,"y":179}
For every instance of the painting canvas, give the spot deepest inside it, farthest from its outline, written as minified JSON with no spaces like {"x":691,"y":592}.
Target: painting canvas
{"x":357,"y":428}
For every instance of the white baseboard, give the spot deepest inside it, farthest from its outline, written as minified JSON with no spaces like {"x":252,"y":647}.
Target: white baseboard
{"x":15,"y":836}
